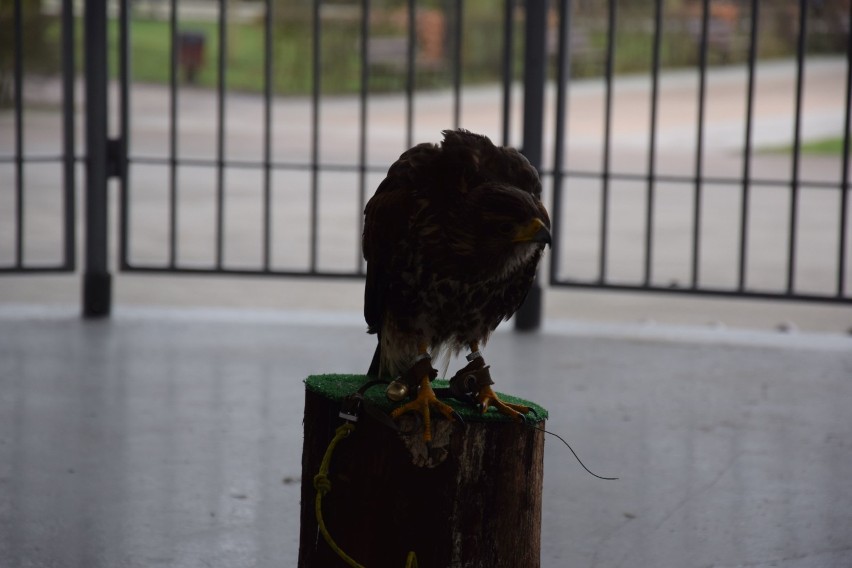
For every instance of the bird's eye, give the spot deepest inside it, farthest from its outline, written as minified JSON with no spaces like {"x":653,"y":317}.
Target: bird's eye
{"x":505,"y":228}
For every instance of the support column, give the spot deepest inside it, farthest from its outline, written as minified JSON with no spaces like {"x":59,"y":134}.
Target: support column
{"x":97,"y":281}
{"x":535,"y":69}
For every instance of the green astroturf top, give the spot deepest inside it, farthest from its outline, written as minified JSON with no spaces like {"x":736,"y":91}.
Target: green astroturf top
{"x":337,"y":387}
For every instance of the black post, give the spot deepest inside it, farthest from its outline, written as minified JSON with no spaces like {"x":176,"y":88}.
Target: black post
{"x":97,"y":281}
{"x":535,"y":65}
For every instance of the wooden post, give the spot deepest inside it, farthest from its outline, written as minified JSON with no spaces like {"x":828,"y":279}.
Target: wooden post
{"x":481,"y":507}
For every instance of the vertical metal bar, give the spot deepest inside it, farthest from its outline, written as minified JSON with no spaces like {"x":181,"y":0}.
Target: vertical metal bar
{"x":68,"y":142}
{"x":97,"y":281}
{"x":699,"y":145}
{"x":173,"y":124}
{"x":652,"y":143}
{"x":315,"y":121}
{"x":362,"y":124}
{"x":117,"y":156}
{"x":19,"y":134}
{"x":457,"y":61}
{"x":563,"y":74}
{"x":508,"y":68}
{"x":411,"y":68}
{"x":535,"y":61}
{"x":747,"y":151}
{"x":605,"y":175}
{"x":220,"y":132}
{"x":267,"y":134}
{"x":844,"y":174}
{"x":797,"y":147}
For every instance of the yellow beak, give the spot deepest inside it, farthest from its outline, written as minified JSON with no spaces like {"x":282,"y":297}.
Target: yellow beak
{"x":534,"y":231}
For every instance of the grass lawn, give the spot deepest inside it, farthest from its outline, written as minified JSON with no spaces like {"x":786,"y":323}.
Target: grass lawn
{"x":340,"y":46}
{"x":244,"y":70}
{"x":292,"y":54}
{"x":828,"y":146}
{"x":822,"y":147}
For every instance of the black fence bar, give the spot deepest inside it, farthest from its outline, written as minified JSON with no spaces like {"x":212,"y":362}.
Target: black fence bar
{"x":652,"y":143}
{"x":692,"y":180}
{"x":458,"y":21}
{"x":508,"y":68}
{"x":68,"y":141}
{"x":563,"y":75}
{"x":797,"y":147}
{"x":535,"y":75}
{"x":19,"y":134}
{"x":605,"y":162}
{"x":699,"y":144}
{"x":316,"y":91}
{"x":124,"y":106}
{"x":844,"y":173}
{"x":745,"y":197}
{"x":371,"y":168}
{"x":268,"y":91}
{"x":253,"y":164}
{"x":363,"y":114}
{"x":705,"y":291}
{"x":221,"y":86}
{"x":411,"y":72}
{"x":118,"y":148}
{"x":227,"y":271}
{"x":173,"y":131}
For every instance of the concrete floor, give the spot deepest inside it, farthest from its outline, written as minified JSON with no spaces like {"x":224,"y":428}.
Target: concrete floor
{"x":172,"y":437}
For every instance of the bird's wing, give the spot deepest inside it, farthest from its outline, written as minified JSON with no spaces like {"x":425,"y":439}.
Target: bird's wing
{"x":386,"y":221}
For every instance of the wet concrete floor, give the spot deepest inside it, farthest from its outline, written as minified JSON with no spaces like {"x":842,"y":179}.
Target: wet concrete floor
{"x":173,"y":438}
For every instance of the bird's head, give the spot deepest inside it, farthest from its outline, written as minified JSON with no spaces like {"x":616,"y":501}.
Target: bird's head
{"x":503,"y":226}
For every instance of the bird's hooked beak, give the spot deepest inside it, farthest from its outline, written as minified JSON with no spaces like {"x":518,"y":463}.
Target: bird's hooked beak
{"x":534,"y":232}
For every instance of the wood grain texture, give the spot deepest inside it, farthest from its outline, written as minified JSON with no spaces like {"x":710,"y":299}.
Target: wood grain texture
{"x":480,"y":508}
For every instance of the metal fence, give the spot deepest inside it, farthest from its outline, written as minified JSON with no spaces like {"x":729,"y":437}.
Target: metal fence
{"x":737,"y":275}
{"x":302,"y":162}
{"x":220,"y":181}
{"x":37,"y":180}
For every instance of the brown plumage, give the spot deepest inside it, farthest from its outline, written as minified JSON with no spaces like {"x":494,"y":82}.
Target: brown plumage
{"x":452,"y":239}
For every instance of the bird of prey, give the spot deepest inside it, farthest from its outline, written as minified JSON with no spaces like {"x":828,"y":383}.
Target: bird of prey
{"x":452,"y":238}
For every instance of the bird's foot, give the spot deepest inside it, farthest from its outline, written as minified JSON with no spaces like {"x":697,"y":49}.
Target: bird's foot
{"x":473,"y":383}
{"x":416,"y":383}
{"x":423,"y":405}
{"x":487,"y":399}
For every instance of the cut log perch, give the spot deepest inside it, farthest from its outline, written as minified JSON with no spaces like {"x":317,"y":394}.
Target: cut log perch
{"x":481,"y":507}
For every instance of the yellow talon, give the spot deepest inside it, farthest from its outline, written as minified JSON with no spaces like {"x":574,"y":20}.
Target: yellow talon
{"x":421,"y":405}
{"x":487,"y":398}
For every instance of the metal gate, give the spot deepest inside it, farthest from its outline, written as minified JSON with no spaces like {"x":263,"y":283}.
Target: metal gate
{"x":37,"y":177}
{"x":763,"y":227}
{"x":219,"y":181}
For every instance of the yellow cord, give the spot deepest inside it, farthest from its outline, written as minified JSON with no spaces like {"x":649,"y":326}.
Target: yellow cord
{"x":323,"y":485}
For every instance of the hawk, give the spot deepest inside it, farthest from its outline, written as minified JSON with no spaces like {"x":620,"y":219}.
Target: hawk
{"x":452,"y":238}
